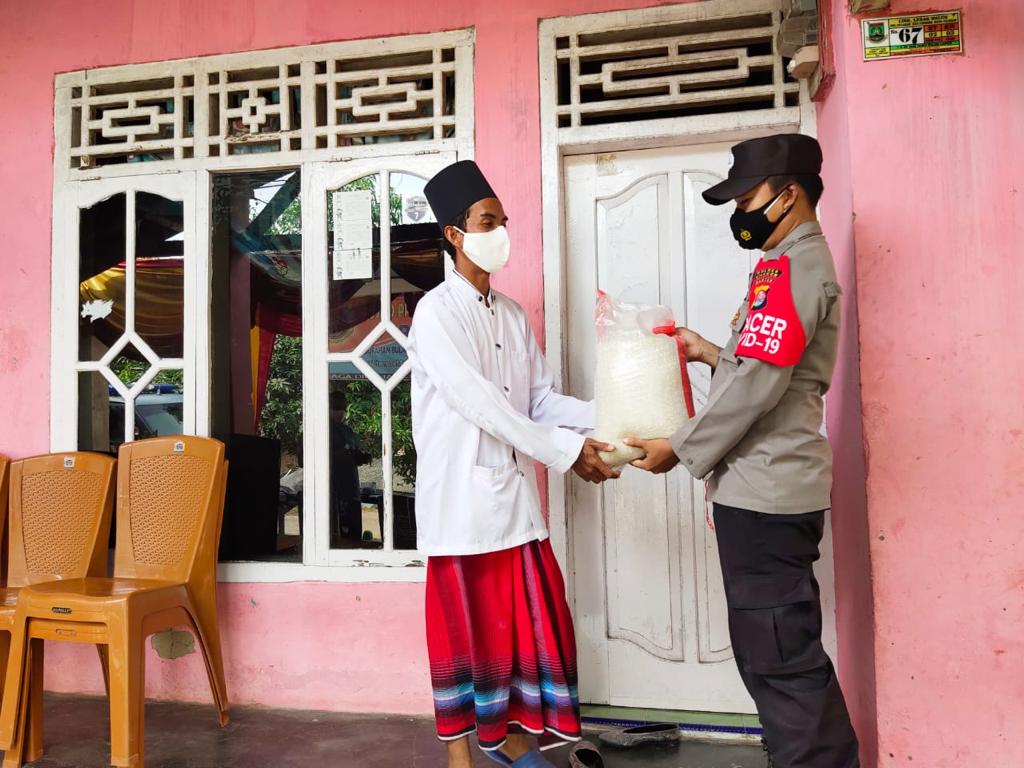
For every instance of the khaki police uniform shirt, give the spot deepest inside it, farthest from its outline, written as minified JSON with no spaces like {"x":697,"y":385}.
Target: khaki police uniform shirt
{"x":759,"y":437}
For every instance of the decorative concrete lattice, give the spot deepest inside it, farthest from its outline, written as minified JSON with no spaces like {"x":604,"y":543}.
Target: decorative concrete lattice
{"x":286,"y":101}
{"x":725,"y":63}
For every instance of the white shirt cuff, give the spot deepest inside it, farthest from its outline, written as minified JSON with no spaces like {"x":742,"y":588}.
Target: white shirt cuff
{"x":570,"y":445}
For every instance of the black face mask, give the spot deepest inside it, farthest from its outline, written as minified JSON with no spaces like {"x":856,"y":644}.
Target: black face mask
{"x":752,"y":228}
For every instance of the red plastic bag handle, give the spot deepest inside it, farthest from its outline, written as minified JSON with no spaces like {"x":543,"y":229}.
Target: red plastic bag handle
{"x":670,"y":330}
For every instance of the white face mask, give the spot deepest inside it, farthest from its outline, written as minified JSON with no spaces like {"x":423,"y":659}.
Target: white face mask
{"x":488,"y":250}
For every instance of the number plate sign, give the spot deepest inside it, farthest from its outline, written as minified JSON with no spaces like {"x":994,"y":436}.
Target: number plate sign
{"x":899,"y":36}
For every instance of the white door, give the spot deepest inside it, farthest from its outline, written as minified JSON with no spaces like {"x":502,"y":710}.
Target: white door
{"x":649,"y":603}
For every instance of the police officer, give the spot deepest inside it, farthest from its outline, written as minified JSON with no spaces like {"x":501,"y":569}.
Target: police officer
{"x":758,"y":441}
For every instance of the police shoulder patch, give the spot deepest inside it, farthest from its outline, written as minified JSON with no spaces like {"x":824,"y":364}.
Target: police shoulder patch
{"x":772,"y":332}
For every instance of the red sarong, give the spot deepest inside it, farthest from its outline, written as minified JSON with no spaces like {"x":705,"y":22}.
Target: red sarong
{"x":502,"y":648}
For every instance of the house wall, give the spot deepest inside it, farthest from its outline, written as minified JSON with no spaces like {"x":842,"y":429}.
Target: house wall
{"x":929,"y":159}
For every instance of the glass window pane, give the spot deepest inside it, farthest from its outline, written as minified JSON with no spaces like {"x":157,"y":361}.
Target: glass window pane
{"x":408,"y":202}
{"x":257,"y":385}
{"x":404,"y":465}
{"x":101,"y":275}
{"x":129,"y":366}
{"x":160,"y":273}
{"x":354,"y":302}
{"x":417,"y":255}
{"x":356,"y":471}
{"x":158,"y":410}
{"x":100,"y":414}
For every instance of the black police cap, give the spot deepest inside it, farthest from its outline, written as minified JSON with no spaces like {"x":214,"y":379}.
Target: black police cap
{"x":788,"y":154}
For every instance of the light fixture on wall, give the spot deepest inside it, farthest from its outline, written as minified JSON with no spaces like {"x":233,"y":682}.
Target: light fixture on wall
{"x":866,"y":6}
{"x":804,"y":63}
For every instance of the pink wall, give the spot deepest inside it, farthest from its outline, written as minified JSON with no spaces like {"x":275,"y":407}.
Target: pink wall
{"x":854,"y":624}
{"x":308,"y":646}
{"x":935,"y":168}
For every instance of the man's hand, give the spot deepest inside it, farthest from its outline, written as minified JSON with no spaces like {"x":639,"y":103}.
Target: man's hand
{"x":658,"y":458}
{"x":698,"y":349}
{"x":590,"y":467}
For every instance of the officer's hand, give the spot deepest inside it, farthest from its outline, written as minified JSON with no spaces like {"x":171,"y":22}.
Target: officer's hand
{"x":590,"y":466}
{"x":658,"y":458}
{"x":698,"y":349}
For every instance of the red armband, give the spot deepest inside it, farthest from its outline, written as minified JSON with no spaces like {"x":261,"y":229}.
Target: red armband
{"x":773,"y":331}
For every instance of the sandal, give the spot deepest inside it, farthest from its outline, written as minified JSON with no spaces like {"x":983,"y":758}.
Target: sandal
{"x":585,"y":755}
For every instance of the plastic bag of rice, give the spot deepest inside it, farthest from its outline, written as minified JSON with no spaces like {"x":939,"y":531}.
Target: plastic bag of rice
{"x":640,"y":385}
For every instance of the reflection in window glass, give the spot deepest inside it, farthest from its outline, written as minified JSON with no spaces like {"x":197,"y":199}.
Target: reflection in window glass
{"x":159,"y":417}
{"x":101,"y":275}
{"x":160,"y":273}
{"x":109,"y":415}
{"x":405,"y":466}
{"x":257,"y":321}
{"x":356,"y":470}
{"x":415,"y":264}
{"x":357,"y":486}
{"x":100,"y":414}
{"x":353,"y":302}
{"x":103,"y":414}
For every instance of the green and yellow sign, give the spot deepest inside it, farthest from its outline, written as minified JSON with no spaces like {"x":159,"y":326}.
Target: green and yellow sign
{"x":925,"y":35}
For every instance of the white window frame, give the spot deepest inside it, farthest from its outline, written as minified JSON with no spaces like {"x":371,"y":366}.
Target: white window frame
{"x":65,"y":366}
{"x":557,"y":143}
{"x":191,"y":179}
{"x":321,"y":178}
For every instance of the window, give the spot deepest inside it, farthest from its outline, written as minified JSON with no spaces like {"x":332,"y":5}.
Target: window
{"x":130,"y":360}
{"x":372,"y":456}
{"x":195,"y":253}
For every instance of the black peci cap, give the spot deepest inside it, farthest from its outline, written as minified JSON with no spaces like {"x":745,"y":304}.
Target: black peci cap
{"x":787,"y":154}
{"x":454,"y":189}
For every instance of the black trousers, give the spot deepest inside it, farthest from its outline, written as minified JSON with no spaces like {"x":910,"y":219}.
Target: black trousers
{"x":775,"y":626}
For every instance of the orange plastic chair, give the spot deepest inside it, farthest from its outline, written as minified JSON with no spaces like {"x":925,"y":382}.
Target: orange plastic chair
{"x":59,"y":526}
{"x":170,"y":503}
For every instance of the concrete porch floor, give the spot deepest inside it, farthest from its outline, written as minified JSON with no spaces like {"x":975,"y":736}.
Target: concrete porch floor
{"x":187,"y":736}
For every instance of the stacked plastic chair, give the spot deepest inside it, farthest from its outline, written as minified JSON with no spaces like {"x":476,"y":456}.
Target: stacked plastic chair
{"x":170,"y":504}
{"x":59,"y":524}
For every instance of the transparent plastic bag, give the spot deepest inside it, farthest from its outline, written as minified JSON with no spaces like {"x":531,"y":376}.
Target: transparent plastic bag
{"x":640,"y":384}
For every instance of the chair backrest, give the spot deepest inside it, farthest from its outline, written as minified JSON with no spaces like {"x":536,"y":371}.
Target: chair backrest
{"x":170,"y":503}
{"x":59,"y":517}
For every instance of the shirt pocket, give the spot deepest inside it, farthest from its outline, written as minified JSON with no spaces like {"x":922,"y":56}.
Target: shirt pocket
{"x":497,"y":486}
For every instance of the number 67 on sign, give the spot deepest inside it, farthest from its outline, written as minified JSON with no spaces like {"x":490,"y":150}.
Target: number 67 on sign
{"x":900,"y":36}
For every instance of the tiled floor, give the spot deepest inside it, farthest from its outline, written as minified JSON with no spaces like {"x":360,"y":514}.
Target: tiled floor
{"x":187,"y":736}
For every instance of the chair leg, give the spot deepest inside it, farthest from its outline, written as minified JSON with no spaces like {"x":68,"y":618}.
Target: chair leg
{"x":127,"y":692}
{"x":34,"y":711}
{"x":29,"y":720}
{"x":12,"y":756}
{"x":15,"y":756}
{"x":5,"y":653}
{"x":13,"y":684}
{"x":102,"y":651}
{"x":214,"y":659}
